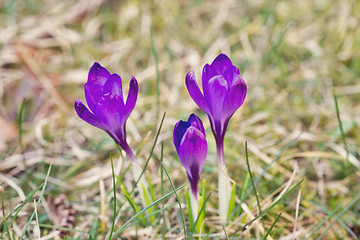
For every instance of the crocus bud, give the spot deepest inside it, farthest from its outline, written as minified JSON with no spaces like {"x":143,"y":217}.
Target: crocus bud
{"x":108,"y":111}
{"x":190,"y":142}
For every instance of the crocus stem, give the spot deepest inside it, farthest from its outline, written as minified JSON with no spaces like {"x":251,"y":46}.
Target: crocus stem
{"x":194,"y":199}
{"x":224,"y":184}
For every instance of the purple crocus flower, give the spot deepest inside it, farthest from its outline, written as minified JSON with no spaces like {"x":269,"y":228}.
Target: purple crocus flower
{"x":190,"y":142}
{"x":224,"y":92}
{"x":108,"y":111}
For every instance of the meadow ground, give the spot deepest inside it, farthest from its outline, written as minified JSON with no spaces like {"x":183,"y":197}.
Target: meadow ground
{"x":296,"y":57}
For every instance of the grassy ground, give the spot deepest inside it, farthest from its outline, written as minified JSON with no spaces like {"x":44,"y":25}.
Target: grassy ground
{"x":293,"y":55}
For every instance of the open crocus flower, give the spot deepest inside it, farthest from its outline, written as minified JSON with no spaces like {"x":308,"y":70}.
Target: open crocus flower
{"x":224,"y":92}
{"x":190,"y":142}
{"x":104,"y":97}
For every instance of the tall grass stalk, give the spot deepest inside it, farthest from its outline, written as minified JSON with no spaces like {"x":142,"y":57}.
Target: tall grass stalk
{"x":37,"y":204}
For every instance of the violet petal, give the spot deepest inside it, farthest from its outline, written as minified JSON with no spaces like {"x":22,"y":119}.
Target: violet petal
{"x":98,"y":75}
{"x":218,"y":88}
{"x":192,"y":149}
{"x":113,"y":85}
{"x":87,"y":116}
{"x":132,"y":97}
{"x":232,"y":76}
{"x":207,"y":74}
{"x":110,"y":111}
{"x":92,"y":95}
{"x":221,"y":63}
{"x":97,"y":78}
{"x":195,"y":92}
{"x":234,"y":99}
{"x":179,"y":131}
{"x":196,"y":122}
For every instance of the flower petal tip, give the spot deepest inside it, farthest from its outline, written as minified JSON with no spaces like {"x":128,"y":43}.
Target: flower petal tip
{"x":133,"y":82}
{"x":179,"y":131}
{"x":221,"y":63}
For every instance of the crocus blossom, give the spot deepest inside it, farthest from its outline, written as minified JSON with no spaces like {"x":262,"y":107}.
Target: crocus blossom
{"x":190,"y":142}
{"x":224,"y":92}
{"x":108,"y":111}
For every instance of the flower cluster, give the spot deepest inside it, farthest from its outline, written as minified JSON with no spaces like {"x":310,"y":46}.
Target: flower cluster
{"x":224,"y":91}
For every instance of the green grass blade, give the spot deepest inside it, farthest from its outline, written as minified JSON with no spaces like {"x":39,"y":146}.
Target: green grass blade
{"x":210,"y":232}
{"x":38,"y":203}
{"x":28,"y":198}
{"x":152,"y":195}
{"x":244,"y":191}
{"x":341,"y":126}
{"x":237,"y":210}
{"x":232,"y":201}
{"x":178,"y":200}
{"x":201,"y":217}
{"x":322,"y":208}
{"x":6,"y":226}
{"x":276,"y":158}
{"x":130,"y":199}
{"x":162,"y":189}
{"x":200,"y":226}
{"x":189,"y":209}
{"x":267,"y":210}
{"x":94,"y":227}
{"x":152,"y":214}
{"x":133,"y":206}
{"x":156,"y":59}
{"x":226,"y":236}
{"x":338,"y":216}
{"x":123,"y":227}
{"x":251,"y":179}
{"x":203,"y":188}
{"x":148,"y":202}
{"x":151,"y":187}
{"x":114,"y":188}
{"x":245,"y":187}
{"x":271,"y":227}
{"x":199,"y":214}
{"x":322,"y":222}
{"x":161,"y":169}
{"x":20,"y":121}
{"x":246,"y":183}
{"x":151,"y":152}
{"x":7,"y":153}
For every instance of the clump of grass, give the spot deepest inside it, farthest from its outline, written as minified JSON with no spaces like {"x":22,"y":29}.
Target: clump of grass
{"x":296,"y":58}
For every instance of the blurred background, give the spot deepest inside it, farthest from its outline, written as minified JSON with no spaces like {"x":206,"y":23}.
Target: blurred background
{"x":293,"y":55}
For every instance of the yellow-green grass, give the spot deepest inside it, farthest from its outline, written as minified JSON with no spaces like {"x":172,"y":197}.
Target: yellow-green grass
{"x":295,"y":56}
